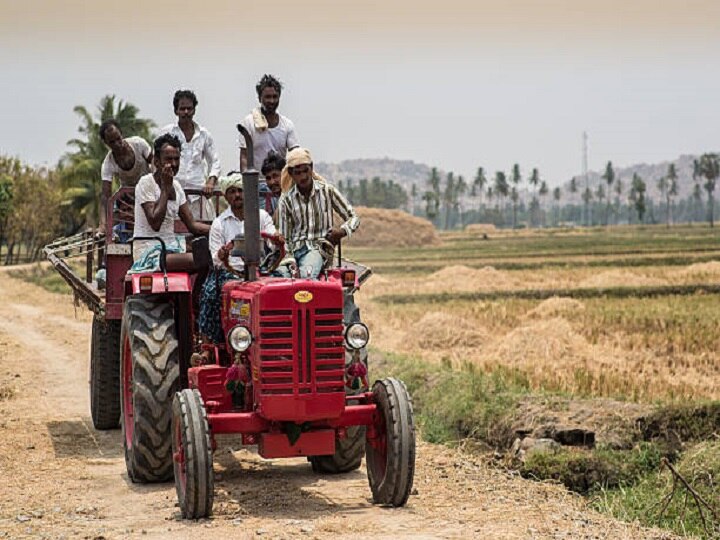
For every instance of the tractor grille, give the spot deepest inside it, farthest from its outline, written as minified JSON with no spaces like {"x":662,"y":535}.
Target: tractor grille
{"x":301,"y":351}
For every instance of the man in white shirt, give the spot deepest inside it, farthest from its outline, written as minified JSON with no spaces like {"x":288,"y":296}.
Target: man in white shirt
{"x":270,"y":131}
{"x":231,"y":223}
{"x":199,"y":160}
{"x":224,"y":229}
{"x":159,"y":201}
{"x":128,"y":160}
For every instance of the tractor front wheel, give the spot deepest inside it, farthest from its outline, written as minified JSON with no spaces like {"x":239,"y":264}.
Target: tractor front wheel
{"x":105,"y":373}
{"x":390,"y":445}
{"x":192,"y":455}
{"x":348,"y":453}
{"x":149,"y":375}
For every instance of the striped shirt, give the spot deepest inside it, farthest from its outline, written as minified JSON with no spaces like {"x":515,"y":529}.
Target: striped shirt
{"x":304,"y":222}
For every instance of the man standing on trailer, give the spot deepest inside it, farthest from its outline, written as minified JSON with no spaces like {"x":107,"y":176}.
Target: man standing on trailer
{"x":305,"y":214}
{"x":199,"y":160}
{"x":269,"y":130}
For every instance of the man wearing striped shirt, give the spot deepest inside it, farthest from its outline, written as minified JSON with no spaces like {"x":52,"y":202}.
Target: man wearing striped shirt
{"x":305,"y":213}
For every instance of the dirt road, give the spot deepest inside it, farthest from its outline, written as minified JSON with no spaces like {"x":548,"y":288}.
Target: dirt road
{"x":63,"y":479}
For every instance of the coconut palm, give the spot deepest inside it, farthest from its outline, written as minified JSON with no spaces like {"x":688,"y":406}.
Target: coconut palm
{"x":557,"y":195}
{"x":80,"y":168}
{"x":534,"y":180}
{"x":672,"y":190}
{"x":502,"y":188}
{"x":609,"y":176}
{"x":709,"y":168}
{"x":479,"y":184}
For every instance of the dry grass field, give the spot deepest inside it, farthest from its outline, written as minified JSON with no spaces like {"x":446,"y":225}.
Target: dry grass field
{"x":631,"y":346}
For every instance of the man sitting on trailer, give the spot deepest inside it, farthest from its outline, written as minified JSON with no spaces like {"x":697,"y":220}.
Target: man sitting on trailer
{"x":305,"y":214}
{"x":128,"y":160}
{"x":159,"y":201}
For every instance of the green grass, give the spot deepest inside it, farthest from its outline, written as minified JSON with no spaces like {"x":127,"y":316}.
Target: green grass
{"x":452,"y":405}
{"x":645,"y":501}
{"x":556,"y":245}
{"x":45,"y":277}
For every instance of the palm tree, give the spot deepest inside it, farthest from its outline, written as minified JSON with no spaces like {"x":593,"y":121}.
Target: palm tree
{"x":460,"y":190}
{"x":80,"y":169}
{"x":557,"y":195}
{"x":609,"y":176}
{"x":432,"y":196}
{"x":587,"y":198}
{"x":534,"y":180}
{"x":637,"y":195}
{"x":709,"y":168}
{"x":449,"y":197}
{"x":544,"y":190}
{"x":618,"y":194}
{"x":479,"y":184}
{"x":672,"y":190}
{"x":501,"y":186}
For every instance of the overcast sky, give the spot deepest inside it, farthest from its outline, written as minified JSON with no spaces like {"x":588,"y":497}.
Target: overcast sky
{"x":452,"y":84}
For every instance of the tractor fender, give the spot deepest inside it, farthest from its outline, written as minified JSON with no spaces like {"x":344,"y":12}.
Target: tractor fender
{"x":176,"y":282}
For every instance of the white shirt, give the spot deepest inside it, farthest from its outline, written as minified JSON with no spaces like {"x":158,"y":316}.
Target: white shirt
{"x":227,"y":226}
{"x":141,"y":149}
{"x":148,"y":190}
{"x":278,"y":139}
{"x":198,"y":157}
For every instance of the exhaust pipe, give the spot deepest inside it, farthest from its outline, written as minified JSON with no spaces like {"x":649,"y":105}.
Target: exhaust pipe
{"x":252,"y":210}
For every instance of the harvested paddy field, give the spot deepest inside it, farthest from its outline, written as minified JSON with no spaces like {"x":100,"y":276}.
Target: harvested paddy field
{"x":621,"y":323}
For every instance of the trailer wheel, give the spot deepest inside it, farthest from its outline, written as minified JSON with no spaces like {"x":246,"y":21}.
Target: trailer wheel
{"x":149,"y":376}
{"x":348,"y":453}
{"x":390,"y":446}
{"x":105,"y":373}
{"x":192,"y":455}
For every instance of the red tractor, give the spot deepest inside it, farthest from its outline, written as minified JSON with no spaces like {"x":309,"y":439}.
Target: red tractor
{"x":291,"y":376}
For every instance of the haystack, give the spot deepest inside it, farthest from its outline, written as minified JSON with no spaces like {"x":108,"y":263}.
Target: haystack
{"x":461,"y":278}
{"x":481,"y":228}
{"x":392,"y":228}
{"x":440,"y":330}
{"x":704,"y":270}
{"x":621,"y":278}
{"x":555,"y":307}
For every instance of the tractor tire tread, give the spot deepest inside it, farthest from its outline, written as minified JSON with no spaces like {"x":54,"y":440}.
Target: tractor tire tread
{"x":105,"y":374}
{"x":155,"y":375}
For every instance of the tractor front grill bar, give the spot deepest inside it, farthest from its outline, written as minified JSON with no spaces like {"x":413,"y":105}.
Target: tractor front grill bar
{"x":301,"y":351}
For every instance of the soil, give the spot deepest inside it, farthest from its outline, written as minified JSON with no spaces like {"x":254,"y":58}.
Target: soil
{"x":63,"y":479}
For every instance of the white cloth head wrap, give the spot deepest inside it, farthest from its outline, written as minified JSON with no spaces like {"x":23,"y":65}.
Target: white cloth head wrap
{"x":232,"y":180}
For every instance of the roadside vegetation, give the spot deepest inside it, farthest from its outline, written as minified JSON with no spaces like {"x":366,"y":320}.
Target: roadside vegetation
{"x":490,"y":352}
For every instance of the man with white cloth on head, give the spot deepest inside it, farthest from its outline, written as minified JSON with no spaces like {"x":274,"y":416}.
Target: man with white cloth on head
{"x":231,"y":223}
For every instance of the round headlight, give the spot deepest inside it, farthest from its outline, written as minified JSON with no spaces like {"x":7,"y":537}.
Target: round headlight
{"x":357,"y":335}
{"x":240,"y":338}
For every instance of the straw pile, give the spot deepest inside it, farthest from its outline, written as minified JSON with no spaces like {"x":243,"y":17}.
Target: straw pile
{"x":621,"y":278}
{"x":555,"y":307}
{"x":440,"y":330}
{"x":392,"y":228}
{"x":700,"y":271}
{"x":460,"y":278}
{"x":481,"y":228}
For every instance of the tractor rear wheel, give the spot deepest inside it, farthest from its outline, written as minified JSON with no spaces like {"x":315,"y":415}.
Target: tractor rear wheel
{"x":390,"y":446}
{"x":192,"y":455}
{"x":149,"y":375}
{"x":348,"y":453}
{"x":105,"y":373}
